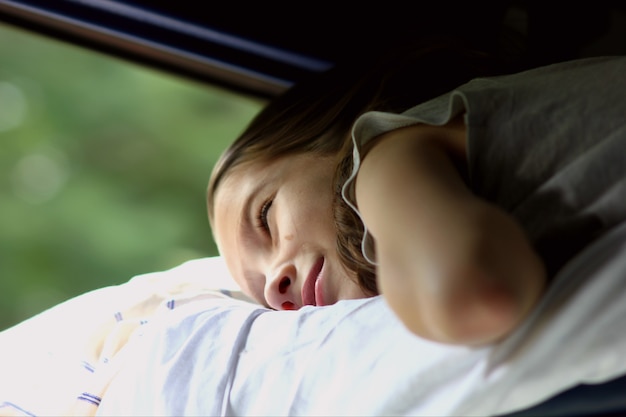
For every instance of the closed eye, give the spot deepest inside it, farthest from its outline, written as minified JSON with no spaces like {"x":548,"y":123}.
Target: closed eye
{"x":262,"y":216}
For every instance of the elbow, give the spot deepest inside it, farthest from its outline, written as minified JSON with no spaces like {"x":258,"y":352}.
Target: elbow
{"x":473,"y":289}
{"x":486,"y":295}
{"x":476,"y":316}
{"x":477,"y":310}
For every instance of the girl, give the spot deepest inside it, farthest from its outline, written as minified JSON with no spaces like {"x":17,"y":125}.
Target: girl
{"x":456,"y":200}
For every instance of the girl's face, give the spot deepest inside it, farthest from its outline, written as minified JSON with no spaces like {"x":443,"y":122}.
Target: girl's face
{"x":273,"y":224}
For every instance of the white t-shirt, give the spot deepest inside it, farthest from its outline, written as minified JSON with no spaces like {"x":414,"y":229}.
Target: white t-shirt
{"x":548,"y":145}
{"x":171,"y":343}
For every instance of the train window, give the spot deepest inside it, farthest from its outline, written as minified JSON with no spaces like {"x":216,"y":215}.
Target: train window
{"x":103,"y":169}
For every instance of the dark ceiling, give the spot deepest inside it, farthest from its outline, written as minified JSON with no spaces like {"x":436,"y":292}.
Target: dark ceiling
{"x":261,"y":48}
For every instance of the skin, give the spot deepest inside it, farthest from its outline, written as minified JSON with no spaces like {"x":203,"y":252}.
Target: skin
{"x":272,"y":265}
{"x":454,"y":268}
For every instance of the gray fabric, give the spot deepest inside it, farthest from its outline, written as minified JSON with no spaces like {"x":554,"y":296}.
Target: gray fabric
{"x":548,"y":145}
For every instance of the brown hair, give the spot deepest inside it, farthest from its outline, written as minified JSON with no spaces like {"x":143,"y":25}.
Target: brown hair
{"x":316,"y":116}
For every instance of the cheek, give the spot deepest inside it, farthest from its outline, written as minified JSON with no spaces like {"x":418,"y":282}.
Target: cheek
{"x":245,"y":269}
{"x":306,"y":208}
{"x":316,"y":217}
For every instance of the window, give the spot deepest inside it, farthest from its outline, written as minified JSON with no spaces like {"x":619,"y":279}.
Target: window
{"x":103,"y":169}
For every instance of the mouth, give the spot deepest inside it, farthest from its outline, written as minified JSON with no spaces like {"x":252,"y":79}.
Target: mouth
{"x":311,"y":290}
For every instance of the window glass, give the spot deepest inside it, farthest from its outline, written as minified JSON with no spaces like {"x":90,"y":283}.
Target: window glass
{"x":103,"y":169}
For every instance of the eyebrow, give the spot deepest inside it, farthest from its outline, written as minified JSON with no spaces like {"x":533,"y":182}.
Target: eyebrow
{"x":247,"y":212}
{"x":247,"y":231}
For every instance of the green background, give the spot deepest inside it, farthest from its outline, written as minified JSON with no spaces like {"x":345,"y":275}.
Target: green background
{"x":103,"y":169}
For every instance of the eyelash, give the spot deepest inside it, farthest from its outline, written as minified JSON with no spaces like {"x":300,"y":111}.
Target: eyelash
{"x":262,"y":217}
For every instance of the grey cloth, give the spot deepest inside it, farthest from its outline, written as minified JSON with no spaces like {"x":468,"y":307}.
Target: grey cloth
{"x":547,"y":145}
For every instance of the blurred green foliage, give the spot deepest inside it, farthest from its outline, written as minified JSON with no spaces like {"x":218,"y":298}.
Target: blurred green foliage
{"x":103,"y":169}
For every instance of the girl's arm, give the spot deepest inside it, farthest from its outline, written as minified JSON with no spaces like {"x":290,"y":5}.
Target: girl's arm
{"x":453,"y":267}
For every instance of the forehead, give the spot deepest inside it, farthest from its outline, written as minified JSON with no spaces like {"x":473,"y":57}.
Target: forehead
{"x":247,"y":178}
{"x":231,"y":206}
{"x":235,"y":190}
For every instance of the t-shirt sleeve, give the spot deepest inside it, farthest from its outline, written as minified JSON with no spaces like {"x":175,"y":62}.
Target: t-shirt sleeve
{"x":547,"y":145}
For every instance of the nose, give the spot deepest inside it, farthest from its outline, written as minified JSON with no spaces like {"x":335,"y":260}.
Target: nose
{"x":280,"y":289}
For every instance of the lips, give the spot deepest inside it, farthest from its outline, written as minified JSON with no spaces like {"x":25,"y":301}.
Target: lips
{"x":311,"y":291}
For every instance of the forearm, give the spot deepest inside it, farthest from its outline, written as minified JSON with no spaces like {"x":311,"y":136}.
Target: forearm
{"x":453,"y":267}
